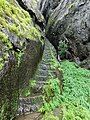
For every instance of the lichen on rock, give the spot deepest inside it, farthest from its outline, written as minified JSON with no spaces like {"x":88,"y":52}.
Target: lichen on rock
{"x":21,"y":48}
{"x":17,"y":21}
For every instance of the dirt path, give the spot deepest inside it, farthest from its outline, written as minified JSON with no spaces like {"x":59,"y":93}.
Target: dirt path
{"x":31,"y":116}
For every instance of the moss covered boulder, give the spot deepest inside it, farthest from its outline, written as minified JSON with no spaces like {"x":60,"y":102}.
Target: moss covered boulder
{"x":21,"y":44}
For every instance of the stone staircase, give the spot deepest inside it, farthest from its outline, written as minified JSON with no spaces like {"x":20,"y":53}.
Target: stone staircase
{"x":32,"y":103}
{"x":44,"y":67}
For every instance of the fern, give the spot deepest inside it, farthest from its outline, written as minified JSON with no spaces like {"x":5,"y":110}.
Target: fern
{"x":76,"y":92}
{"x":75,"y":98}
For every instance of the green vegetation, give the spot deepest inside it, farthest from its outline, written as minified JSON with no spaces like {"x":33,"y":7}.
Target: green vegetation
{"x":75,"y":98}
{"x":4,"y":40}
{"x":25,"y":92}
{"x":52,"y":91}
{"x":16,"y":26}
{"x":76,"y":83}
{"x":68,"y":86}
{"x":50,"y":116}
{"x":17,"y":22}
{"x":51,"y":95}
{"x":62,"y":48}
{"x":3,"y":111}
{"x":76,"y":92}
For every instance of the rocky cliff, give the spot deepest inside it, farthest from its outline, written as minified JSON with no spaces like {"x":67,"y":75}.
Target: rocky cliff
{"x":24,"y":24}
{"x":69,"y":22}
{"x":21,"y":48}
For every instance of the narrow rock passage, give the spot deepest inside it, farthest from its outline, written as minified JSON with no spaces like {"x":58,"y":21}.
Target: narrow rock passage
{"x":33,"y":102}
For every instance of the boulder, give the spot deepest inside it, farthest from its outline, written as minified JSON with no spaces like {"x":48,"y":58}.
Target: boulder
{"x":21,"y":48}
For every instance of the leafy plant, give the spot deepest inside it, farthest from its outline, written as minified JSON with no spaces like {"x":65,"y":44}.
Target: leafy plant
{"x":72,"y":112}
{"x":76,"y":92}
{"x":51,"y":97}
{"x":75,"y":98}
{"x":63,"y":47}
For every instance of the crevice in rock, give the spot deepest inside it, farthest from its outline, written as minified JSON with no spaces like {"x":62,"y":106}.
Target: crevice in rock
{"x":16,"y":48}
{"x":83,"y":58}
{"x":46,"y":6}
{"x":32,"y":14}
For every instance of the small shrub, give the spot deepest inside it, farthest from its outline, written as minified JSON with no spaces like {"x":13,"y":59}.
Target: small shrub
{"x":63,"y":47}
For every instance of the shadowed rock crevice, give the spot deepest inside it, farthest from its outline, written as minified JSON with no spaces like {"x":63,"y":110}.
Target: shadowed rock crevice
{"x":69,"y":22}
{"x":47,"y":6}
{"x":33,"y":13}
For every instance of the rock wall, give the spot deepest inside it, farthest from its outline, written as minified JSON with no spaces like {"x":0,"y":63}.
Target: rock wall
{"x":47,"y":6}
{"x":22,"y":45}
{"x":21,"y":48}
{"x":31,"y":6}
{"x":69,"y":22}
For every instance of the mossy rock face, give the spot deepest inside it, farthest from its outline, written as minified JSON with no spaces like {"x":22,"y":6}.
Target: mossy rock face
{"x":32,"y":6}
{"x":20,"y":52}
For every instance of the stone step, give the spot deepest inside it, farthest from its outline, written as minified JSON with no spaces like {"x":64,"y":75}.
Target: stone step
{"x":41,"y":82}
{"x":29,"y":104}
{"x":43,"y":67}
{"x":30,"y":99}
{"x":38,"y":88}
{"x":30,"y":116}
{"x":42,"y":71}
{"x":40,"y":78}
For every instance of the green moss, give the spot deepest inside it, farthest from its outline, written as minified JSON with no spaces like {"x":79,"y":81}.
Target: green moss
{"x":21,"y":22}
{"x":8,"y":45}
{"x":17,"y":21}
{"x":34,"y":33}
{"x":49,"y":116}
{"x":2,"y":2}
{"x":74,"y":101}
{"x":3,"y":110}
{"x":3,"y":37}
